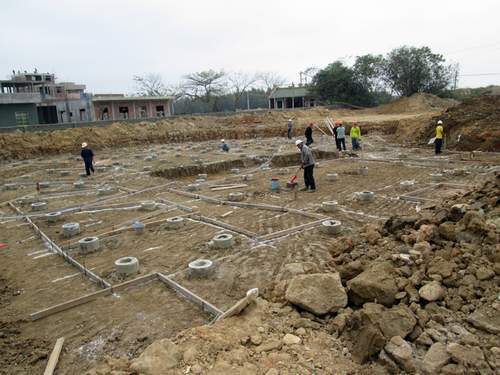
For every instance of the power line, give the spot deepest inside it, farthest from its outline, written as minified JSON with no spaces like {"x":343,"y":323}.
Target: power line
{"x":479,"y":74}
{"x":474,"y":48}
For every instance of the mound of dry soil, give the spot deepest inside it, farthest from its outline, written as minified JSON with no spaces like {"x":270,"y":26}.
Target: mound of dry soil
{"x":476,"y":120}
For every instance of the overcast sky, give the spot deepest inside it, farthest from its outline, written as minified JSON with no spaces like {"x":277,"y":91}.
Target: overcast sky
{"x":103,"y":43}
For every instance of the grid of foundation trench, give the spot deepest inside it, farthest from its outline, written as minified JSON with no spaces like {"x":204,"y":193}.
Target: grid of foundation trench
{"x":163,"y":207}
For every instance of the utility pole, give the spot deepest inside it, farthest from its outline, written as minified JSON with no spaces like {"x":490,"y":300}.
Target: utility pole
{"x":248,"y":101}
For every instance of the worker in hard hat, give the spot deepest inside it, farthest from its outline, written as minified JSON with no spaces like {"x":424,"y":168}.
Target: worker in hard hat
{"x":438,"y":142}
{"x":224,"y":146}
{"x":88,"y":158}
{"x":290,"y":128}
{"x":341,"y":137}
{"x":355,"y":134}
{"x":307,"y":160}
{"x":309,"y":134}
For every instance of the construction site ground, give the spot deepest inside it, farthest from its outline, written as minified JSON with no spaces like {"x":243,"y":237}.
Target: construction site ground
{"x":272,"y":230}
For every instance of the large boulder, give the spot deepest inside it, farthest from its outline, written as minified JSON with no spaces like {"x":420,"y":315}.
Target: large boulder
{"x":432,"y":291}
{"x":319,"y":293}
{"x":486,"y":319}
{"x":435,"y":358}
{"x":372,"y":326}
{"x":377,"y":284}
{"x":157,"y":359}
{"x":402,"y":353}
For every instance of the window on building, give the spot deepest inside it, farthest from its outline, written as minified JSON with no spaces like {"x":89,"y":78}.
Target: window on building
{"x":143,"y":111}
{"x":38,"y":78}
{"x":82,"y":114}
{"x":123,"y":112}
{"x":160,"y":112}
{"x":59,"y":90}
{"x":22,"y":118}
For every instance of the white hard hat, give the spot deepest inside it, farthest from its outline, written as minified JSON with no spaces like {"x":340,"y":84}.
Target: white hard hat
{"x":289,"y":119}
{"x":440,"y":122}
{"x":222,"y":140}
{"x":298,"y":142}
{"x":84,"y":144}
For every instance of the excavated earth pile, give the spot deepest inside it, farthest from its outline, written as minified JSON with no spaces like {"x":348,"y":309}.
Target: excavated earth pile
{"x":476,"y":121}
{"x":403,"y":116}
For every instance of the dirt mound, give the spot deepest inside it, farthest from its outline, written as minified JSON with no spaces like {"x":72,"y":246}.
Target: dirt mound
{"x":476,"y":121}
{"x":417,"y":103}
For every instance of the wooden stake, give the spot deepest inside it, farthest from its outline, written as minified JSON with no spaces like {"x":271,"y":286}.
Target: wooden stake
{"x":54,"y":357}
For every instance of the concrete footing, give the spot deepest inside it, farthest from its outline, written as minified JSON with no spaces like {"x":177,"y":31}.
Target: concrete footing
{"x":331,"y":226}
{"x":200,"y":268}
{"x":38,"y":206}
{"x":407,"y":184}
{"x":175,"y":222}
{"x":89,"y":244}
{"x":127,"y":266}
{"x":330,"y":206}
{"x":332,"y":177}
{"x":52,"y":217}
{"x":148,"y":205}
{"x":223,"y":241}
{"x":71,"y":229}
{"x":365,"y":196}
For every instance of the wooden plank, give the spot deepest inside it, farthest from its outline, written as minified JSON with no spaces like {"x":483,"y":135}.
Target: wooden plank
{"x":136,"y":281}
{"x":54,"y":357}
{"x":206,"y":306}
{"x":290,"y":230}
{"x":223,"y":225}
{"x":241,"y":305}
{"x":228,"y":187}
{"x":69,"y":304}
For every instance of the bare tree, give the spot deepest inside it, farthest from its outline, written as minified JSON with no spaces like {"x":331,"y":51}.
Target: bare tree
{"x":271,"y":80}
{"x":239,"y":83}
{"x":150,"y":85}
{"x":205,"y":85}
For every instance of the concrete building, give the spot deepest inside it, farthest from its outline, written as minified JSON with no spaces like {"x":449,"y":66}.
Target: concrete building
{"x":291,"y":97}
{"x":58,"y":102}
{"x":19,"y":109}
{"x":121,"y":107}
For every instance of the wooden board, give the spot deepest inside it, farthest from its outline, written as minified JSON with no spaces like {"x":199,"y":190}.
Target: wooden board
{"x":228,"y":187}
{"x":206,"y":306}
{"x":54,"y":357}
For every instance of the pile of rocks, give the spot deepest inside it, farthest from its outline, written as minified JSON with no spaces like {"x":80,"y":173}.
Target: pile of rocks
{"x":419,"y":294}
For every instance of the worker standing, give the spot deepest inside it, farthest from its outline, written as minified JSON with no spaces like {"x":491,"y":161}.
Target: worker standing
{"x":308,"y":134}
{"x":307,"y":160}
{"x":88,"y":158}
{"x":290,"y":128}
{"x":438,"y":143}
{"x":355,"y":135}
{"x":336,"y":126}
{"x":341,"y":137}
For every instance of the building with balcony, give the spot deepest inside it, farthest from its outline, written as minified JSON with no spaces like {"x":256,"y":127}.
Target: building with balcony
{"x":59,"y":102}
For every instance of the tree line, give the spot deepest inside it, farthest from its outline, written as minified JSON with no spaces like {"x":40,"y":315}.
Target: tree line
{"x":369,"y":81}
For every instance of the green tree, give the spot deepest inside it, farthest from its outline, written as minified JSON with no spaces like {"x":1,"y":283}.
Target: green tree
{"x":408,"y":70}
{"x":339,"y":83}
